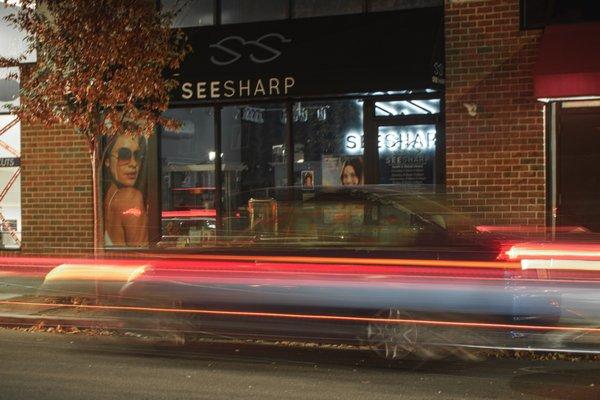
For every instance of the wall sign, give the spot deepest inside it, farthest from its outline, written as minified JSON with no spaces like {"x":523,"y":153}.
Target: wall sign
{"x":227,"y":53}
{"x":9,"y":162}
{"x":393,"y":141}
{"x":314,"y":56}
{"x":407,"y":154}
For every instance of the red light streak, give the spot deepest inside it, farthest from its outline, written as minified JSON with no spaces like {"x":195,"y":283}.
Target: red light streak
{"x":318,"y":317}
{"x":189,"y":213}
{"x":325,"y":261}
{"x":529,"y":229}
{"x":553,"y":250}
{"x":205,"y":260}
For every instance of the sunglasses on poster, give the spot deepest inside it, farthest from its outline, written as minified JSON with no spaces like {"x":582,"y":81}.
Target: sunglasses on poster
{"x":124,"y":155}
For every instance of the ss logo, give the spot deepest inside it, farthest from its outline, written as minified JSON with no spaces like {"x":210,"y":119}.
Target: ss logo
{"x":229,"y":55}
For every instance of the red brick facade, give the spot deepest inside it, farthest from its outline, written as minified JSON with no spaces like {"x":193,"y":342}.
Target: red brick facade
{"x":496,"y":157}
{"x":56,"y":194}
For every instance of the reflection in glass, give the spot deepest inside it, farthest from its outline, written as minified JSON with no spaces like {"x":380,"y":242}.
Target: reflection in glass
{"x":407,"y":154}
{"x":12,"y":40}
{"x":188,"y":179}
{"x":253,"y":154}
{"x":9,"y":89}
{"x":319,"y":8}
{"x":328,"y":142}
{"x":407,"y":107}
{"x":190,"y":13}
{"x":368,"y":217}
{"x":10,"y":183}
{"x":238,"y":11}
{"x":388,"y":5}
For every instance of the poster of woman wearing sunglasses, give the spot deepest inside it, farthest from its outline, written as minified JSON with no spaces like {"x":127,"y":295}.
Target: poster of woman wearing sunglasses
{"x":125,"y":211}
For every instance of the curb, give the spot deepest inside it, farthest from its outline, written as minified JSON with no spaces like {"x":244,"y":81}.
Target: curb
{"x":25,"y":320}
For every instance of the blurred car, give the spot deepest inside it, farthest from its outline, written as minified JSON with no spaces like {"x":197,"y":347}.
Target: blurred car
{"x":398,"y":270}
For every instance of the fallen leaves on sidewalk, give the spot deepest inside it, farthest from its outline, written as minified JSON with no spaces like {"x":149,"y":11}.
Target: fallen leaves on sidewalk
{"x":68,"y":330}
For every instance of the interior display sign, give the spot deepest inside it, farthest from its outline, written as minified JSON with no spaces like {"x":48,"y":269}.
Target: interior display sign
{"x":407,"y":154}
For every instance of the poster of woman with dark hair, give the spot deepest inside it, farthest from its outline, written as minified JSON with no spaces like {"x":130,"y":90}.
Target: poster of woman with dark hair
{"x":343,"y":170}
{"x":308,"y":180}
{"x":352,"y":172}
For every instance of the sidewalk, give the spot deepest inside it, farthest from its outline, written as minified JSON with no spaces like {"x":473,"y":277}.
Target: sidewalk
{"x":32,"y":311}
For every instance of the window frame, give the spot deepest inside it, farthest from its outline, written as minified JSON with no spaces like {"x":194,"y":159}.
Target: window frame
{"x":290,"y":6}
{"x":17,"y":173}
{"x":371,"y":124}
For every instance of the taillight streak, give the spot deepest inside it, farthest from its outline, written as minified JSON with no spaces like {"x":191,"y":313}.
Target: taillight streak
{"x":338,"y":318}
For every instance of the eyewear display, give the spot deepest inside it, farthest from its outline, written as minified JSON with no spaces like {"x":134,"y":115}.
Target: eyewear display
{"x":125,"y":154}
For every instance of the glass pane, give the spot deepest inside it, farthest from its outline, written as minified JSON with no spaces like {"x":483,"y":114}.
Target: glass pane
{"x":407,"y":154}
{"x":254,"y":157}
{"x":237,"y":11}
{"x":9,"y":89}
{"x":10,"y":183}
{"x":537,"y":13}
{"x":318,"y":8}
{"x":191,"y":13}
{"x":407,"y":107}
{"x":328,"y":143}
{"x":188,"y":179}
{"x":366,"y":217}
{"x":387,"y":5}
{"x":12,"y":44}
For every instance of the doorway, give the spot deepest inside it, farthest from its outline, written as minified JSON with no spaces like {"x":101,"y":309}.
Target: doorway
{"x":578,"y":166}
{"x":407,"y":140}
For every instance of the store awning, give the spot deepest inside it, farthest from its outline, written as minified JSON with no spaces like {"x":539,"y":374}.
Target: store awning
{"x":568,"y":63}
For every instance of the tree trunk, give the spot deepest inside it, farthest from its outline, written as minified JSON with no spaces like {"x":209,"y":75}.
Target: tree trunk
{"x":95,"y":161}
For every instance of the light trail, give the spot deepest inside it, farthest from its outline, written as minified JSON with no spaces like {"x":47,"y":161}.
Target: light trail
{"x":315,"y":317}
{"x":347,"y":260}
{"x":559,"y":251}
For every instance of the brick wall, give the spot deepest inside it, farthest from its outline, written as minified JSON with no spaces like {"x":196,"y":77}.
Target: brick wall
{"x":56,"y":193}
{"x":495,"y":159}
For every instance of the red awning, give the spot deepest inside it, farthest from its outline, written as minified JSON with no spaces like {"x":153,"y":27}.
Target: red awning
{"x":568,"y":63}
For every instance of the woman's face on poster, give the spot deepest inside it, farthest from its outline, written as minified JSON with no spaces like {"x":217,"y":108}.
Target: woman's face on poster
{"x":308,"y":180}
{"x":125,"y":160}
{"x":349,"y":176}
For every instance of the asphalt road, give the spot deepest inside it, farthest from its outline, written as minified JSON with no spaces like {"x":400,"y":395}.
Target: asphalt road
{"x":61,"y":366}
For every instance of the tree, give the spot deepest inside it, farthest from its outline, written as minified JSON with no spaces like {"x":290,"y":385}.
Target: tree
{"x":101,"y":69}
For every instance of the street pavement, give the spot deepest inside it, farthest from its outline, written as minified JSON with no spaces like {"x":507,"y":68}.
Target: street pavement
{"x":41,"y":365}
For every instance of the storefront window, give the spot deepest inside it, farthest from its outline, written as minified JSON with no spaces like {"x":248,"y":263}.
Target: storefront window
{"x":10,"y":183}
{"x":318,"y":8}
{"x":328,"y":143}
{"x":191,"y":13}
{"x":253,"y":155}
{"x":188,"y":178}
{"x":535,"y":14}
{"x":407,"y":154}
{"x":9,"y":89}
{"x":10,"y":161}
{"x":238,"y":11}
{"x":388,"y":5}
{"x":13,"y":44}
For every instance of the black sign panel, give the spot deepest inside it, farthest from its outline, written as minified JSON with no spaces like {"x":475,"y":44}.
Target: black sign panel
{"x":536,"y":14}
{"x":315,"y":56}
{"x":9,"y":162}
